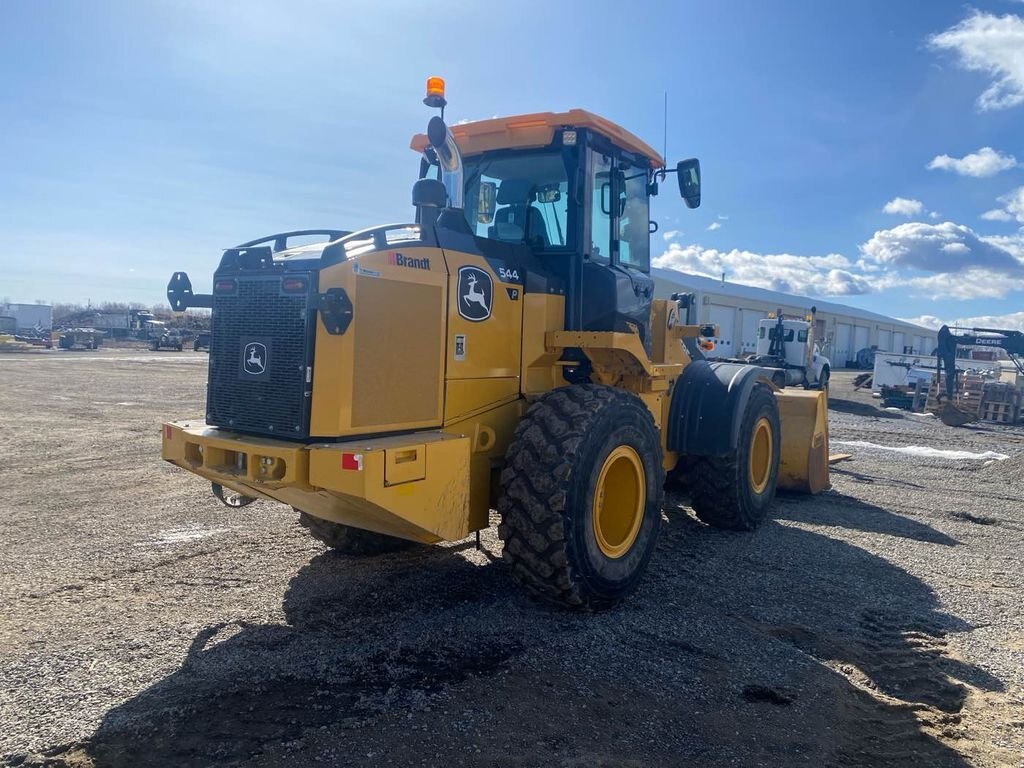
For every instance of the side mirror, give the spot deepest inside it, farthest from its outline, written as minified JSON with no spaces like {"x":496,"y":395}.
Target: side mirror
{"x":429,"y":193}
{"x":688,"y":172}
{"x":486,"y":202}
{"x":549,"y":193}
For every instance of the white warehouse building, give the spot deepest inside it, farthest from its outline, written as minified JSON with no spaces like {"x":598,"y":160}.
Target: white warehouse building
{"x":29,"y":317}
{"x":842,"y":331}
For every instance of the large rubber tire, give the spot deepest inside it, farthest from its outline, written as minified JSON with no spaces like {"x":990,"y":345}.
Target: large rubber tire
{"x":571,"y":441}
{"x":347,"y":540}
{"x":723,"y":491}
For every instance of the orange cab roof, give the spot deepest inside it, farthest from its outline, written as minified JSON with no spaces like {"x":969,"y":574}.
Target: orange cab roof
{"x":537,"y":130}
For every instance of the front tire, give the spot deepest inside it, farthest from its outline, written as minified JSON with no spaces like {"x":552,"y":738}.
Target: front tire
{"x":735,"y":491}
{"x":581,"y":496}
{"x":347,"y":540}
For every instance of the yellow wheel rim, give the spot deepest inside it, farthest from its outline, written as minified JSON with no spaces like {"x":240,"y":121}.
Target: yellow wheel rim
{"x":619,"y":501}
{"x":761,"y":450}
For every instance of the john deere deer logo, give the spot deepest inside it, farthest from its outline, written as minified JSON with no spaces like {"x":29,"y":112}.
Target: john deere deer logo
{"x":254,"y":358}
{"x":475,"y":290}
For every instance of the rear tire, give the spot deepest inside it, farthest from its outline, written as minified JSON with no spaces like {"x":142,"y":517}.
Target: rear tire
{"x":581,"y":496}
{"x":735,"y":492}
{"x":347,"y":540}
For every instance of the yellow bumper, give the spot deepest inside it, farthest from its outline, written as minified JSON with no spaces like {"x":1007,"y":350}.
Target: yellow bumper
{"x":412,"y":486}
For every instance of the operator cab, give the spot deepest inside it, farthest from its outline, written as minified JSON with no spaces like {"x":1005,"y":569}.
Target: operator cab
{"x":564,"y":201}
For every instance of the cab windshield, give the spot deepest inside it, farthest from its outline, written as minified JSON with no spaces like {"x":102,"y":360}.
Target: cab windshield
{"x":518,"y":197}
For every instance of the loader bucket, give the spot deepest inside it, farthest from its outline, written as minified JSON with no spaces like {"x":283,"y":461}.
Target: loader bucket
{"x":803,"y":416}
{"x":952,"y":416}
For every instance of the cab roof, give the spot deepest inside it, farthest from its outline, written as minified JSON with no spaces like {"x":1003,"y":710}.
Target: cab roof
{"x":538,"y":130}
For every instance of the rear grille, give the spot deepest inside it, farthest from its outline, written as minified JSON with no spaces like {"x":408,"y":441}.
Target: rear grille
{"x":260,"y":348}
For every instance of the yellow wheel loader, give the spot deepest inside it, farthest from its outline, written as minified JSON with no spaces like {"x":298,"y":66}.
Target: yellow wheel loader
{"x":503,"y":351}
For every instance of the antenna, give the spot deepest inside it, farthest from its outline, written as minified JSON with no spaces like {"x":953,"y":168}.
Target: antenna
{"x":665,"y":131}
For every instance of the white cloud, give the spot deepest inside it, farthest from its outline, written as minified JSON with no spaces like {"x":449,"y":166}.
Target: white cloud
{"x":934,"y":214}
{"x":1013,"y":207}
{"x":814,"y":275}
{"x":927,"y":321}
{"x":1014,"y":203}
{"x":902,"y":206}
{"x":713,"y":226}
{"x":726,"y":218}
{"x":940,"y":248}
{"x":984,"y":42}
{"x":1014,"y":244}
{"x":672,"y":234}
{"x":985,"y":162}
{"x":1014,"y":321}
{"x":968,"y":284}
{"x":944,"y":260}
{"x":957,"y":249}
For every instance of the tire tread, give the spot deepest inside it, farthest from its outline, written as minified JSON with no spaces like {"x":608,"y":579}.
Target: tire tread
{"x":535,"y":523}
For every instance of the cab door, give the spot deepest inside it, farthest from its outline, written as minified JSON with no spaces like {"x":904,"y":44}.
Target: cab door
{"x":617,"y":287}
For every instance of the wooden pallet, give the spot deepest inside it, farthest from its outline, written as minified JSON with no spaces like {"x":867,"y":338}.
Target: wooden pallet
{"x":1001,"y":403}
{"x":968,"y":398}
{"x":1001,"y":413}
{"x":1002,"y":392}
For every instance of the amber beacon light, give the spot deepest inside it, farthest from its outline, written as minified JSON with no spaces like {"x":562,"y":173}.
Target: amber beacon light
{"x":435,"y":93}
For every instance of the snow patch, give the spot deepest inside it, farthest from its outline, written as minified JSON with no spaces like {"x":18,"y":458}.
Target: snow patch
{"x":182,"y":535}
{"x":923,"y":452}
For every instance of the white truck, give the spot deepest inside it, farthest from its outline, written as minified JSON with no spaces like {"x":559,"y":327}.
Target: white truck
{"x":786,"y":346}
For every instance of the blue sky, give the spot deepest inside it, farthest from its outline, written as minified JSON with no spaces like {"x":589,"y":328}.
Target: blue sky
{"x":140,"y":138}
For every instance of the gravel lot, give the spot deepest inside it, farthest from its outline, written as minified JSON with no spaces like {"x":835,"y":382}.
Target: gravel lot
{"x":880,"y":624}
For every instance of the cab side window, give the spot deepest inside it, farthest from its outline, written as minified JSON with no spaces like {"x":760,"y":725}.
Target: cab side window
{"x":634,"y":220}
{"x":600,"y":208}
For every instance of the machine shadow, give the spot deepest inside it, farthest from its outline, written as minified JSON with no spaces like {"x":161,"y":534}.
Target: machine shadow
{"x":782,"y":609}
{"x":855,"y":408}
{"x":844,"y":511}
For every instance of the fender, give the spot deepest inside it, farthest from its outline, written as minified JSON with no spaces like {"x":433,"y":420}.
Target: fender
{"x":707,"y":407}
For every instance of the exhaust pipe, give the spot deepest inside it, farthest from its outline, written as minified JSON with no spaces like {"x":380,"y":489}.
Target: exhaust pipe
{"x":443,"y":144}
{"x":809,"y":352}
